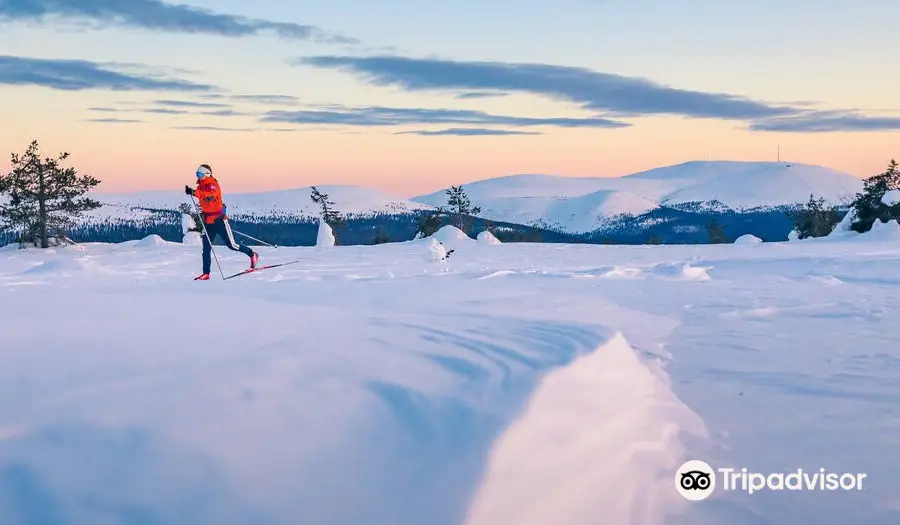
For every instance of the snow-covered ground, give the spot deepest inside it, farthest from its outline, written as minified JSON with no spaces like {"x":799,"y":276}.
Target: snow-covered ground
{"x":511,"y":384}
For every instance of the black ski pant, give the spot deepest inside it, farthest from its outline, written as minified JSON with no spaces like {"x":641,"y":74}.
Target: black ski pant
{"x":222,"y":229}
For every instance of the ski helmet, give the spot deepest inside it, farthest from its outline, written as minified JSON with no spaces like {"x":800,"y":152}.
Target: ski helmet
{"x":204,"y":171}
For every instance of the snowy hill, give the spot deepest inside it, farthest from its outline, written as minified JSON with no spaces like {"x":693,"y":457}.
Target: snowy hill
{"x":578,"y":205}
{"x":296,"y":203}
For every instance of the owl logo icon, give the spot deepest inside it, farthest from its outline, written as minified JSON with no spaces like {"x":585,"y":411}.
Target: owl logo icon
{"x":695,"y":480}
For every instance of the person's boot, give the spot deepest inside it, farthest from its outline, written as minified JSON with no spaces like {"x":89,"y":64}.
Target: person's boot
{"x":203,"y":277}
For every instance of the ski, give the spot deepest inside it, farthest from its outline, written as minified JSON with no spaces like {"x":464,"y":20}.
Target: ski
{"x":258,"y":268}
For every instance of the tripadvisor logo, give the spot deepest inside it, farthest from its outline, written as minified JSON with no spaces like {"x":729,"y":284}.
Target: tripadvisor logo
{"x":696,"y":480}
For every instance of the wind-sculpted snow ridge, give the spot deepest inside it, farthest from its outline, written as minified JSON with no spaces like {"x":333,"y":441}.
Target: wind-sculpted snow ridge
{"x":597,"y":442}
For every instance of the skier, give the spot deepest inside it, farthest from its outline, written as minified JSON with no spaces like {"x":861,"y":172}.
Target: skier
{"x":209,"y":193}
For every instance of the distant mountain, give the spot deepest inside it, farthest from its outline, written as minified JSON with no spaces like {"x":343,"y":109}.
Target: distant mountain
{"x":582,"y":205}
{"x":672,"y":204}
{"x":282,"y":204}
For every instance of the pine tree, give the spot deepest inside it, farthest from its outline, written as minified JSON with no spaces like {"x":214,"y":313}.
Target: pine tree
{"x":868,"y":205}
{"x":381,"y":236}
{"x":814,"y":219}
{"x":43,"y":198}
{"x":332,"y":217}
{"x":429,"y":223}
{"x":459,"y":204}
{"x":716,"y":232}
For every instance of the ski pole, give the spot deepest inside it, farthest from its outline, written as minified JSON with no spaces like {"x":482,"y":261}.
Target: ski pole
{"x":253,"y":238}
{"x":208,"y":238}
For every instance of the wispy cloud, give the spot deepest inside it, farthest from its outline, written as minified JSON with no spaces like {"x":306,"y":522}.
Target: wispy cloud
{"x":213,"y":128}
{"x":275,"y":100}
{"x":113,"y":120}
{"x":82,"y":74}
{"x":593,"y":90}
{"x":161,"y":16}
{"x":386,"y":116}
{"x":165,"y":111}
{"x":468,"y":132}
{"x":481,"y":94}
{"x":103,"y":109}
{"x":616,"y":95}
{"x":190,"y":104}
{"x":827,"y":122}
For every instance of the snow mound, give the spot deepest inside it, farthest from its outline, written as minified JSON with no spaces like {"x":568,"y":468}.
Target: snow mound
{"x":192,"y":239}
{"x":883,"y":231}
{"x":842,"y":229}
{"x":58,"y":265}
{"x":748,"y":240}
{"x":794,"y":235}
{"x":325,"y":237}
{"x":891,"y":198}
{"x":487,"y":238}
{"x":600,"y":437}
{"x":450,"y":233}
{"x":151,"y":241}
{"x":682,"y":272}
{"x":452,"y":237}
{"x":434,"y":250}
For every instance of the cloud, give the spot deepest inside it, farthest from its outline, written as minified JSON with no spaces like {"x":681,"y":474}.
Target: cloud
{"x":160,"y":16}
{"x":592,"y":90}
{"x":481,"y":94}
{"x":75,"y":75}
{"x":616,"y":96}
{"x":213,"y":128}
{"x":258,"y":99}
{"x":386,"y":116}
{"x":113,"y":120}
{"x":190,"y":104}
{"x":103,"y":109}
{"x":827,"y":122}
{"x":468,"y":132}
{"x":166,"y":111}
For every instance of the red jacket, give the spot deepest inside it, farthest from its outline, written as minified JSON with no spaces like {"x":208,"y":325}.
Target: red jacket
{"x":209,"y":194}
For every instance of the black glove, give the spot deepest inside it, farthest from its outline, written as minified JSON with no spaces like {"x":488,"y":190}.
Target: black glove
{"x":188,"y":190}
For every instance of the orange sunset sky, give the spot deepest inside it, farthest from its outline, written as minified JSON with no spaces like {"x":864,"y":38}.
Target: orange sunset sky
{"x":413,"y":98}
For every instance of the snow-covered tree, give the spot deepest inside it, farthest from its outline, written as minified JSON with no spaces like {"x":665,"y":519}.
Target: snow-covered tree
{"x":42,"y":198}
{"x":868,"y":205}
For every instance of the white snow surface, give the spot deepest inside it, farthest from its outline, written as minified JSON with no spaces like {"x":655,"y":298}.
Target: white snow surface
{"x":584,"y":204}
{"x":521,"y":383}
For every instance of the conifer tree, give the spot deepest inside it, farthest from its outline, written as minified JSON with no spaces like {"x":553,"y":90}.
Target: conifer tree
{"x":868,"y":206}
{"x":43,"y":198}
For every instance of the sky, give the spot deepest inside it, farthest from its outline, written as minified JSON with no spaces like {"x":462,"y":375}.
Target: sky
{"x":411,"y":97}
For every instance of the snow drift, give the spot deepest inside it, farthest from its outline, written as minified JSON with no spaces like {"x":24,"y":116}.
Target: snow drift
{"x":571,"y":457}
